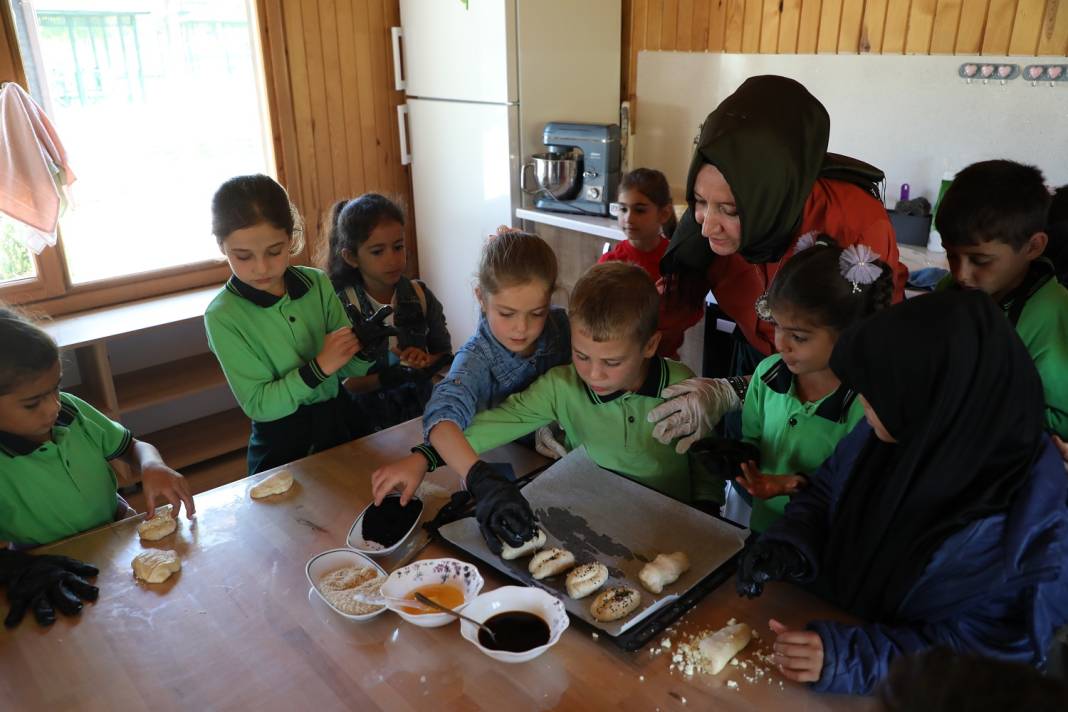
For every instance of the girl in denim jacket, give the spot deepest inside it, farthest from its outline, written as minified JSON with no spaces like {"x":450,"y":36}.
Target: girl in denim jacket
{"x":366,"y":264}
{"x":520,"y":336}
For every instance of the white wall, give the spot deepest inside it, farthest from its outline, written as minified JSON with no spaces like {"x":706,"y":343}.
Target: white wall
{"x":912,"y":116}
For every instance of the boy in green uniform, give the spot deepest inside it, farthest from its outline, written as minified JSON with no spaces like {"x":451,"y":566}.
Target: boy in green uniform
{"x":601,"y":400}
{"x":992,"y":220}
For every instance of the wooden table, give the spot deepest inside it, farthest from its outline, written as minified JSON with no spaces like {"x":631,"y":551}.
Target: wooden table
{"x":239,"y":628}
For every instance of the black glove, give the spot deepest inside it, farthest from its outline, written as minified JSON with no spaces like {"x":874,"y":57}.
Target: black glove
{"x":397,"y":375}
{"x":500,"y":508}
{"x":721,"y":457}
{"x":370,"y":331}
{"x":769,"y":561}
{"x":44,"y":583}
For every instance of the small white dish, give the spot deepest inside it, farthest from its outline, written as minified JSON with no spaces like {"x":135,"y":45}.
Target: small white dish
{"x":516,"y":598}
{"x":356,"y":541}
{"x":329,"y":561}
{"x":406,"y":579}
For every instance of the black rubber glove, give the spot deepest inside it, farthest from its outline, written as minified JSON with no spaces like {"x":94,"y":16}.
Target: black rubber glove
{"x":501,"y":510}
{"x":721,"y":457}
{"x":397,"y":375}
{"x":370,"y":331}
{"x":769,"y":561}
{"x":44,"y":583}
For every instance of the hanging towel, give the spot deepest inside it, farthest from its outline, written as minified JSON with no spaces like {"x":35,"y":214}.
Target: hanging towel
{"x":33,"y":167}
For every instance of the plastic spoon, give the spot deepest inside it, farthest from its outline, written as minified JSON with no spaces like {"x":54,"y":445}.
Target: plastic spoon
{"x":433,"y":604}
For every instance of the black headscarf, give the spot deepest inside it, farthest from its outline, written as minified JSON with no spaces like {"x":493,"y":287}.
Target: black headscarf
{"x":768,"y":139}
{"x":952,"y":382}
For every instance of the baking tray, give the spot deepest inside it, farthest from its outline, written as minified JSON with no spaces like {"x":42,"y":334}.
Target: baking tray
{"x":602,"y":516}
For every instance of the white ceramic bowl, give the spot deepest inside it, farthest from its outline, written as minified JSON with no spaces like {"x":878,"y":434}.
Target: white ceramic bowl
{"x":329,"y":561}
{"x":356,"y":541}
{"x":515,"y":598}
{"x":429,"y":571}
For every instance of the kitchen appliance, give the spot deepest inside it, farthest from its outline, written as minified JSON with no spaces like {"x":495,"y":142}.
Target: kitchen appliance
{"x":580,"y":172}
{"x":482,"y":79}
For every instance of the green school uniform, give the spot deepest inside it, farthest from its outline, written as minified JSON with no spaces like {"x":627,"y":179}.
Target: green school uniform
{"x":793,"y":437}
{"x":1039,"y":310}
{"x":613,"y":428}
{"x":56,"y":489}
{"x":267,"y":346}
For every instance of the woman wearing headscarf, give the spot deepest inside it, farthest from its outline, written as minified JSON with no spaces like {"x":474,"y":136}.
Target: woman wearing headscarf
{"x":760,"y":178}
{"x":942,"y":520}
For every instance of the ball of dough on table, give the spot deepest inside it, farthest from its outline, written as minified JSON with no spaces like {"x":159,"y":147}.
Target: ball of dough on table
{"x":664,"y":570}
{"x":719,"y":647}
{"x":277,"y":483}
{"x":550,"y":562}
{"x":525,"y":549}
{"x":584,"y":580}
{"x":615,"y":603}
{"x":156,"y":565}
{"x":159,"y":526}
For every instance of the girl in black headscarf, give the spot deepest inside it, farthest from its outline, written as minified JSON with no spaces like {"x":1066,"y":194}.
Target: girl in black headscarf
{"x":940,"y":520}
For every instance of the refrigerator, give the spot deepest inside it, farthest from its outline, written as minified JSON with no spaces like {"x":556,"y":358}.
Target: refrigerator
{"x":481,"y":79}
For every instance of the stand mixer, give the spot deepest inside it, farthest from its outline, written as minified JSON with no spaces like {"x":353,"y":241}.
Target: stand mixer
{"x":579,"y":171}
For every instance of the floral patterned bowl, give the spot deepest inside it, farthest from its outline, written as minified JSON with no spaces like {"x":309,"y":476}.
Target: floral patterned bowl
{"x":401,"y":582}
{"x":516,"y":598}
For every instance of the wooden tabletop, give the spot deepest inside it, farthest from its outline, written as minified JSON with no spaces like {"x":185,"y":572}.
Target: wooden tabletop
{"x":238,"y":627}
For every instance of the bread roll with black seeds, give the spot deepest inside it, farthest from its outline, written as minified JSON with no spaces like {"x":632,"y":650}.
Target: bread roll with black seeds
{"x":615,"y":603}
{"x":550,"y":562}
{"x":584,"y":580}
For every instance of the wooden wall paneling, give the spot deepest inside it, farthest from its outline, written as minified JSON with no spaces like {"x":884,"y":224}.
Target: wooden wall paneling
{"x":401,"y":175}
{"x":751,"y":22}
{"x":323,"y":155}
{"x":1026,"y":27}
{"x":1053,"y":38}
{"x":626,"y":8}
{"x":999,"y":20}
{"x":896,"y":28}
{"x":374,"y":177}
{"x":872,"y":26}
{"x":735,"y":25}
{"x":335,"y":78}
{"x":789,"y":22}
{"x":637,"y":43}
{"x":830,"y":19}
{"x":346,"y":93}
{"x":279,"y":96}
{"x":302,"y":115}
{"x":684,"y":25}
{"x":702,"y":11}
{"x":849,"y":27}
{"x":769,"y":26}
{"x":944,"y":28}
{"x":972,"y":26}
{"x":921,"y":21}
{"x":386,"y":98}
{"x":717,"y":25}
{"x":654,"y":18}
{"x":669,"y":24}
{"x":808,"y":30}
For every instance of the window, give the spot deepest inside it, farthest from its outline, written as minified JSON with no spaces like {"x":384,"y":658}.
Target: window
{"x":16,"y":262}
{"x":157,"y":102}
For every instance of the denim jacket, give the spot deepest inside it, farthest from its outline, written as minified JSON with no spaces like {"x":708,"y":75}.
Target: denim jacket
{"x":425,"y":331}
{"x":484,"y":372}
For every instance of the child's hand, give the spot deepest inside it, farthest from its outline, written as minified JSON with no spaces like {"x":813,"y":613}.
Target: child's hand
{"x":338,"y":349}
{"x":404,"y":475}
{"x":764,"y":486}
{"x":414,"y":357}
{"x":162,"y":481}
{"x":798,"y":653}
{"x":1062,"y":447}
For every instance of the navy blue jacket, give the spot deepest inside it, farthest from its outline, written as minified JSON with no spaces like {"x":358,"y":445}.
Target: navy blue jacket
{"x":998,"y":587}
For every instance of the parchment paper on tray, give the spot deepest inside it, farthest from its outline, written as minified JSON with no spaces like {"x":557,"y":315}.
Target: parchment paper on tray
{"x":601,"y":516}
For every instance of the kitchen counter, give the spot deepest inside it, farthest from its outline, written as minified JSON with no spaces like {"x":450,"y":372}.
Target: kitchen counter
{"x":239,"y":628}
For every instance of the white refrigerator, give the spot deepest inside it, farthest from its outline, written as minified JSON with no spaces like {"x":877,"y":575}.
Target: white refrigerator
{"x":482,"y":78}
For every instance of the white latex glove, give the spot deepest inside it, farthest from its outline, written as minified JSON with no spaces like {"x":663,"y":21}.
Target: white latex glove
{"x":546,"y":444}
{"x":694,"y":408}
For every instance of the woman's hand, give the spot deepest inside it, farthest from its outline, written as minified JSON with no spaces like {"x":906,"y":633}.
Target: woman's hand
{"x":414,"y":357}
{"x":764,"y":486}
{"x":338,"y":349}
{"x":404,"y":475}
{"x":158,"y":480}
{"x":798,"y":653}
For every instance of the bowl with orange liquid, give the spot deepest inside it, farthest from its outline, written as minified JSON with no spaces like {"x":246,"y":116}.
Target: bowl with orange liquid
{"x":450,"y":582}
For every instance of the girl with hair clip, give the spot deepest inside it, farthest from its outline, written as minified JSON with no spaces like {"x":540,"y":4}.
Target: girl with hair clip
{"x":795,"y":409}
{"x":940,"y":520}
{"x":366,"y":264}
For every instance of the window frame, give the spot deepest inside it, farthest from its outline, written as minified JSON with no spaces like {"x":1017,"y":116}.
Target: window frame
{"x":50,"y":291}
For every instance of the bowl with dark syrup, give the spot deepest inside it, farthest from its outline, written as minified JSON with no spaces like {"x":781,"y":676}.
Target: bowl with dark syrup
{"x":525,"y":621}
